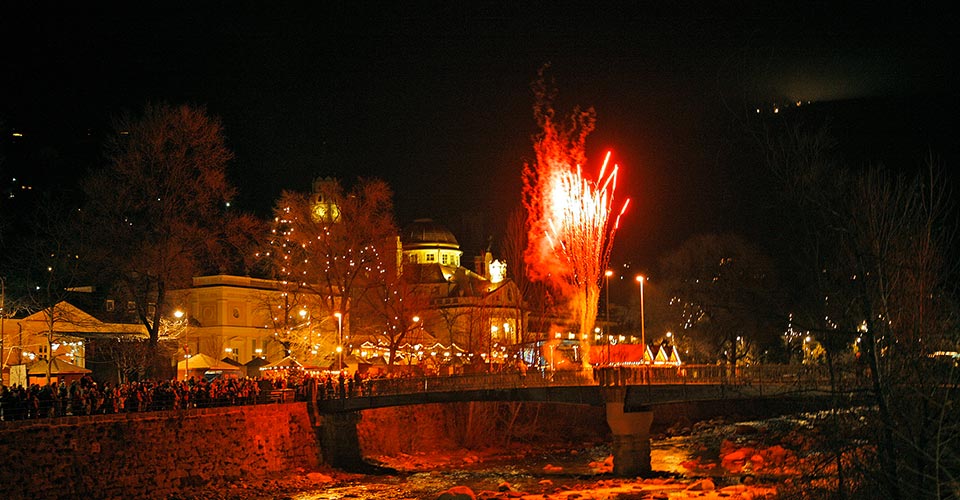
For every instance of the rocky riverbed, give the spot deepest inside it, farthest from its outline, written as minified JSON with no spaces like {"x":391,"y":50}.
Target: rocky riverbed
{"x":708,"y":460}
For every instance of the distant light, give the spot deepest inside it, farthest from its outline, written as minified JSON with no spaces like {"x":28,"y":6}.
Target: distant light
{"x":776,"y":110}
{"x":228,"y":204}
{"x":17,"y":134}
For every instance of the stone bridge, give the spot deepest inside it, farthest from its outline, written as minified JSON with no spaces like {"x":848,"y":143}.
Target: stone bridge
{"x":629,"y":395}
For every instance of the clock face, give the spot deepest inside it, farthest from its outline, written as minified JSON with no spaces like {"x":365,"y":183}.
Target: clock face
{"x":325,"y":211}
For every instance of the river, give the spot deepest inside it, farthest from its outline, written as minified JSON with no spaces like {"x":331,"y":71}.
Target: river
{"x":561,"y":473}
{"x":535,"y":474}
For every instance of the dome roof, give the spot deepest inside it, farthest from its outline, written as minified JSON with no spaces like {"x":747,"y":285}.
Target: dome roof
{"x":427,"y":233}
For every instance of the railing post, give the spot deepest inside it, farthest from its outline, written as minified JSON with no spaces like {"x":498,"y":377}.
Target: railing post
{"x":760,"y":378}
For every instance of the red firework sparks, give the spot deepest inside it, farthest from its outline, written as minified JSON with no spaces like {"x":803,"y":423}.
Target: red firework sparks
{"x":577,"y":213}
{"x":572,"y":219}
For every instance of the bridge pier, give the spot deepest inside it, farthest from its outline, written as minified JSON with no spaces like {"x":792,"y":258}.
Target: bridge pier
{"x":339,"y":442}
{"x":631,"y":435}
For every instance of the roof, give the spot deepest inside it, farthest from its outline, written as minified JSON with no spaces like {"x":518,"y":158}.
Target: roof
{"x":203,"y":361}
{"x":57,"y":367}
{"x":424,"y":273}
{"x":427,"y":233}
{"x":71,"y":320}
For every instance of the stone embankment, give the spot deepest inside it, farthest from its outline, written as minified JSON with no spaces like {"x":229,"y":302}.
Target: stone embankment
{"x":154,"y":454}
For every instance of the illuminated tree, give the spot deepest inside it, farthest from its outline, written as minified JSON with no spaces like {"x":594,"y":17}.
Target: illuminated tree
{"x":159,"y":209}
{"x":397,"y":311}
{"x":333,"y":244}
{"x":722,"y":289}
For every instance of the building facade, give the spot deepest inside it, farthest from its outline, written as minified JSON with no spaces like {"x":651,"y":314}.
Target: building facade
{"x":480,"y":309}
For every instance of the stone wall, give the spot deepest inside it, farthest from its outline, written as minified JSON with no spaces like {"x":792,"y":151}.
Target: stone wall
{"x":155,"y":454}
{"x":450,"y":426}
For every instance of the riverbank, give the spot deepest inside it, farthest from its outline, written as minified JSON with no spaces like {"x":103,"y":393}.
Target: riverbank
{"x":521,"y":472}
{"x":713,"y":459}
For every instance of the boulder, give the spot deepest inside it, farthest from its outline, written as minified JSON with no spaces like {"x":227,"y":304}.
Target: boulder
{"x":458,"y":493}
{"x":317,"y":477}
{"x":702,"y":485}
{"x":505,"y":486}
{"x":735,"y":456}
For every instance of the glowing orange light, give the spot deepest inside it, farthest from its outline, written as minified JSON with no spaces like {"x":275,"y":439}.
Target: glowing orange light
{"x":572,"y":219}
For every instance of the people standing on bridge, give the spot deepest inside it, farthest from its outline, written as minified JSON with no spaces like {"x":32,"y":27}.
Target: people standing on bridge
{"x":356,"y":387}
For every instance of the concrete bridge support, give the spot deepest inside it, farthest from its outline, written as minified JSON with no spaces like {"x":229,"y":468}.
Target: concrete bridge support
{"x":631,"y":436}
{"x":339,"y":442}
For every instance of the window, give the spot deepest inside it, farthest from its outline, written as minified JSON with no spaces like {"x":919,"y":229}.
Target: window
{"x":131,"y":306}
{"x":413,"y":259}
{"x":431,"y":257}
{"x":444,"y":259}
{"x":109,"y":305}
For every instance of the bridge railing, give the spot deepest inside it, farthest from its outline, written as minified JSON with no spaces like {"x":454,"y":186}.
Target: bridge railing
{"x":473,"y":382}
{"x":779,"y":377}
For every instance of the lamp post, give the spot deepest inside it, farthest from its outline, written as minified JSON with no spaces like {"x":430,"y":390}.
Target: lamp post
{"x":643,"y":335}
{"x":3,"y":313}
{"x":186,"y":342}
{"x":418,"y":328}
{"x":607,"y":274}
{"x":339,"y":317}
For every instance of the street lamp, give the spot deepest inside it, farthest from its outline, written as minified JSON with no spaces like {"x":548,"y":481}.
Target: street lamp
{"x":643,"y":335}
{"x":607,"y":274}
{"x":339,"y":340}
{"x":186,"y":342}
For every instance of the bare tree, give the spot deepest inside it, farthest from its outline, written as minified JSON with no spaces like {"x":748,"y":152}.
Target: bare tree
{"x":397,"y":310}
{"x":159,"y":207}
{"x":722,"y":287}
{"x":514,"y":245}
{"x":874,"y":263}
{"x":48,"y":273}
{"x":333,"y":244}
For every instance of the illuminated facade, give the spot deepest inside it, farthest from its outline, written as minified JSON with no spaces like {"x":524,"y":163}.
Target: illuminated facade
{"x":243,"y":318}
{"x":480,"y":310}
{"x":60,"y":332}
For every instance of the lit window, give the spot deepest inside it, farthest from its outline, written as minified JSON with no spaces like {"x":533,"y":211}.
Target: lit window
{"x":444,"y":259}
{"x":431,"y":257}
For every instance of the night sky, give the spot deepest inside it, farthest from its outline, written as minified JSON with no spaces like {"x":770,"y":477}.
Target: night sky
{"x":435,"y":97}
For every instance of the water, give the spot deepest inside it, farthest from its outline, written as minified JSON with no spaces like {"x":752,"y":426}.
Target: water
{"x":539,"y":473}
{"x":536,"y":473}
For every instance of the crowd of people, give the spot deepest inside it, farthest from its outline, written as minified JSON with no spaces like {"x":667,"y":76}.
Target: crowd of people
{"x":86,"y":397}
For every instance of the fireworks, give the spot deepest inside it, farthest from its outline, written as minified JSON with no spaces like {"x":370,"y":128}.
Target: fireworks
{"x":572,"y":219}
